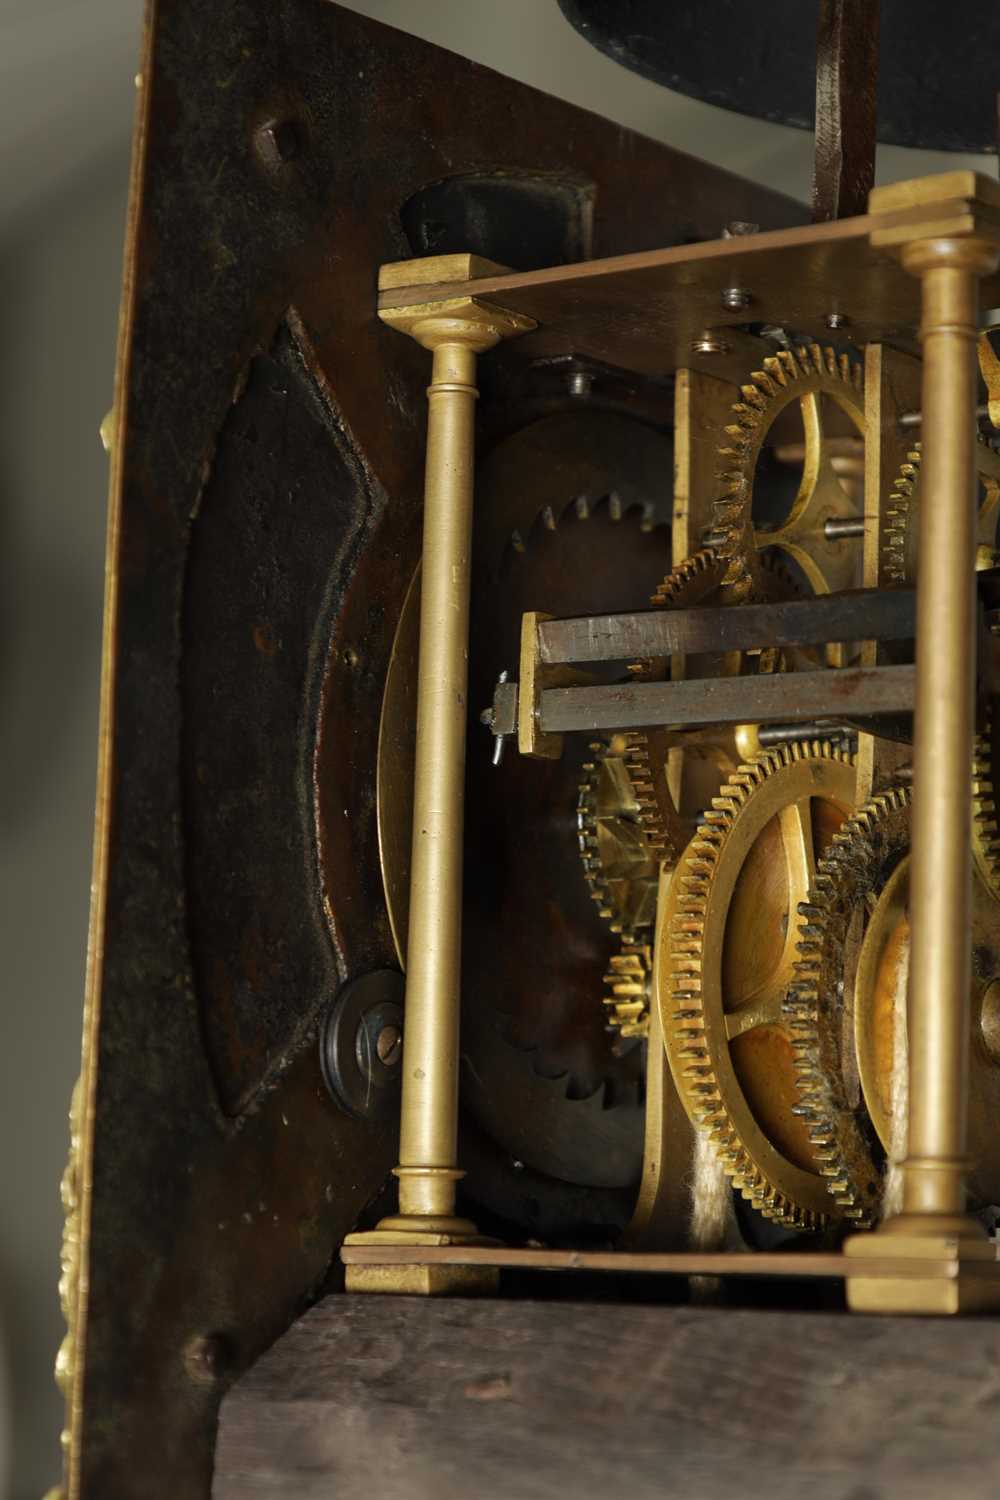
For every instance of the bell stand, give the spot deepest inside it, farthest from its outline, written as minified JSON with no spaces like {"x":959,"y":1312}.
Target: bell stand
{"x":918,"y":256}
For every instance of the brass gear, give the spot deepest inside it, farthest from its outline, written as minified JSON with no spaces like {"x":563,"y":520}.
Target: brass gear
{"x":725,"y":958}
{"x":899,"y":546}
{"x":853,"y":962}
{"x":622,"y":858}
{"x":985,"y":829}
{"x":806,"y":375}
{"x":627,"y":987}
{"x":618,"y":865}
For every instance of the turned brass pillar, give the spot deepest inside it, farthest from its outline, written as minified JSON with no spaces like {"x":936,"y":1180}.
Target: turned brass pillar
{"x":457,"y":331}
{"x":944,"y":726}
{"x":933,"y":1223}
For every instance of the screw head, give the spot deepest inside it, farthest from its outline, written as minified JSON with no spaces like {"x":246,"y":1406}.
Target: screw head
{"x":835,"y":320}
{"x":581,"y":383}
{"x":389,"y":1046}
{"x":734,"y":298}
{"x":709,"y":343}
{"x":737,"y":227}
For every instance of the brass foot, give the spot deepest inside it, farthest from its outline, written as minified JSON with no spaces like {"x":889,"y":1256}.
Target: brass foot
{"x":955,"y":1269}
{"x":414,"y":1280}
{"x":423,"y":1281}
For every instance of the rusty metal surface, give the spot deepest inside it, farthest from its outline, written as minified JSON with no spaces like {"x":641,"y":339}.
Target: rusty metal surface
{"x":265,"y":513}
{"x":847,"y":61}
{"x":795,"y":698}
{"x":862,"y":614}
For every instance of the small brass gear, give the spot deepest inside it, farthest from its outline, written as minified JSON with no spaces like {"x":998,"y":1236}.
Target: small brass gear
{"x":618,"y":865}
{"x":899,"y":545}
{"x":854,"y":942}
{"x":627,"y":987}
{"x":985,"y":828}
{"x":805,"y":375}
{"x":725,"y":958}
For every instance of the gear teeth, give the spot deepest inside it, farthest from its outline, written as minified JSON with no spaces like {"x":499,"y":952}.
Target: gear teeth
{"x":859,"y":850}
{"x":902,"y":509}
{"x":691,"y":1053}
{"x":588,"y":822}
{"x":627,"y":989}
{"x":985,"y":824}
{"x":549,"y":518}
{"x":799,"y":371}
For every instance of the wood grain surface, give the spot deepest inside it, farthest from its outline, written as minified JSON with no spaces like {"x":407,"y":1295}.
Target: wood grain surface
{"x":403,"y":1398}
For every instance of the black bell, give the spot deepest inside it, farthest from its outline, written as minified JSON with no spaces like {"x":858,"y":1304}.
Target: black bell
{"x":939,"y":65}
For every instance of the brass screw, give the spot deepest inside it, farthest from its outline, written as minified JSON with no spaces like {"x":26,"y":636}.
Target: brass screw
{"x":709,"y":343}
{"x":389,"y":1045}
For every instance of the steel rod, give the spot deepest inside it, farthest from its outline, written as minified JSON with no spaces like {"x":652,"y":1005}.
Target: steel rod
{"x":784,"y":697}
{"x":865,"y":614}
{"x":840,"y":528}
{"x":915,"y":418}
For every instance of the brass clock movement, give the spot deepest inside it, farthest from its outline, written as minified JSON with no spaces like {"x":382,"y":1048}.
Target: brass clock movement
{"x":547,"y":817}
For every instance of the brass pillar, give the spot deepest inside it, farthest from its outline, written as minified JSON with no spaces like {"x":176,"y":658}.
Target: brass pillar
{"x":456,"y":331}
{"x":933,"y":1224}
{"x":944,"y":727}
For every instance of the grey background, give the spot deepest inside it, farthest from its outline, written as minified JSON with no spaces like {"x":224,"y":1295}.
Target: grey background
{"x":66,"y":103}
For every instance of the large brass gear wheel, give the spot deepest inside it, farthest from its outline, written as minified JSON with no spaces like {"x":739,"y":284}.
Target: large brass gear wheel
{"x":848,"y":1003}
{"x":725,"y":960}
{"x":899,"y":545}
{"x":805,"y":375}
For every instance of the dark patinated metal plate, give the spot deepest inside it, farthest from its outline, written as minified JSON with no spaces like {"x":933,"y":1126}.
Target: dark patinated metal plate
{"x":265,"y":523}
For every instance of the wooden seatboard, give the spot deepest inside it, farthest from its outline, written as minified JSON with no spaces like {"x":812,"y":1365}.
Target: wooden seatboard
{"x":409,"y":1398}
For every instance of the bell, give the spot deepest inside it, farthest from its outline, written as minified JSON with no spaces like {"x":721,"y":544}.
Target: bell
{"x":938,"y":69}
